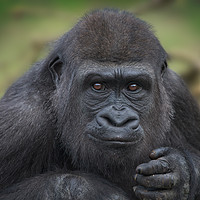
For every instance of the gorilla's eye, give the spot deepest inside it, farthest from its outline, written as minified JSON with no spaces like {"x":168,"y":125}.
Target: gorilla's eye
{"x":98,"y":86}
{"x":133,"y":87}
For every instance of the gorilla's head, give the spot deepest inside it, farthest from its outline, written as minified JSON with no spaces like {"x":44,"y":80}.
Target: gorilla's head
{"x":108,"y":73}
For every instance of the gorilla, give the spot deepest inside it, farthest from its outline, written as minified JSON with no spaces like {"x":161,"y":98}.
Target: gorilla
{"x":102,"y":117}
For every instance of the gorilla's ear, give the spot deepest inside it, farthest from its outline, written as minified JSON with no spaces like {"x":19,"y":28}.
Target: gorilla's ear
{"x":55,"y":68}
{"x":164,"y":67}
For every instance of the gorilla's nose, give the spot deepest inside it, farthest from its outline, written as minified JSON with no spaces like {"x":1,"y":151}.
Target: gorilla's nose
{"x":118,"y":116}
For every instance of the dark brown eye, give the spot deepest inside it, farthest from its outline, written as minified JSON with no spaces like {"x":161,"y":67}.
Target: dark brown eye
{"x":133,"y":87}
{"x":98,"y":86}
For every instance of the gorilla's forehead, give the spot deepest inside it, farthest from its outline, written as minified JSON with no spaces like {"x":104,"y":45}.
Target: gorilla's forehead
{"x":113,"y":69}
{"x":115,"y":36}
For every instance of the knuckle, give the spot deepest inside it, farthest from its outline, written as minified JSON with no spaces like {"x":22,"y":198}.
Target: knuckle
{"x":165,"y":165}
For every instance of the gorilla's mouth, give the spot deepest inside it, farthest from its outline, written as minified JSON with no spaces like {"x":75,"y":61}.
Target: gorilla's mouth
{"x":111,"y":141}
{"x":117,"y":137}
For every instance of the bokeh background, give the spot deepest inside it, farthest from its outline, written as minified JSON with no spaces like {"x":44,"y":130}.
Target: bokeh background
{"x":27,"y":28}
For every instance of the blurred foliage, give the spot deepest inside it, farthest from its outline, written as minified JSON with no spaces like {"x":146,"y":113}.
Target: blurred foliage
{"x":28,"y":26}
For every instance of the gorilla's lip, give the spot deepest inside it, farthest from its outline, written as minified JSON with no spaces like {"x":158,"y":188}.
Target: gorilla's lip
{"x":114,"y":141}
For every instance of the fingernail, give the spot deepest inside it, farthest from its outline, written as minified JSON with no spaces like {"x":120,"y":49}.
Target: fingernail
{"x":152,"y":153}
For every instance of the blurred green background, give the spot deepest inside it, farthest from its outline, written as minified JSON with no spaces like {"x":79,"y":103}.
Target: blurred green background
{"x":28,"y":26}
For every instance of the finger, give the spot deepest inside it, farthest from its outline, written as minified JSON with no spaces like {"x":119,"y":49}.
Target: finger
{"x":159,"y":166}
{"x":161,"y":181}
{"x":157,"y":153}
{"x":142,"y":193}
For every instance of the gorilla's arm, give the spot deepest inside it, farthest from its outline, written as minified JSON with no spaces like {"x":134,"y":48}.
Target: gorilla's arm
{"x":26,"y":130}
{"x":63,"y":186}
{"x":186,"y":123}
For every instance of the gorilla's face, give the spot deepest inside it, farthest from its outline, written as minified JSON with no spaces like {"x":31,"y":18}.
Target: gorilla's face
{"x":115,"y":110}
{"x":116,"y":102}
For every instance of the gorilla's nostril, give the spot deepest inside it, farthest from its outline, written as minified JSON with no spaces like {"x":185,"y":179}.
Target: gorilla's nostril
{"x":129,"y":121}
{"x":133,"y":124}
{"x":110,"y":121}
{"x":105,"y":121}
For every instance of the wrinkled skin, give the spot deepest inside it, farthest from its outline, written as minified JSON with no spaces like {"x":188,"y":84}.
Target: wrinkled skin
{"x":102,"y":117}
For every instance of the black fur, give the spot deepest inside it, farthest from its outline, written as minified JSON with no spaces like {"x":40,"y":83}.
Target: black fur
{"x":49,"y":116}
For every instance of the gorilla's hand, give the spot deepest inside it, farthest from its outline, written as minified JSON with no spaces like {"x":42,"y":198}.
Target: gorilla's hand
{"x":165,"y":177}
{"x":82,"y":186}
